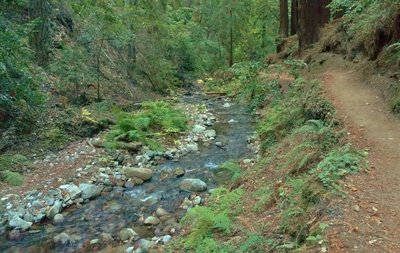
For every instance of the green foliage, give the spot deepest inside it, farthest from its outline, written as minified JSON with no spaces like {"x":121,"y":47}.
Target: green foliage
{"x":264,"y":196}
{"x":228,"y":171}
{"x":205,"y":222}
{"x":12,"y":178}
{"x":155,"y":120}
{"x":12,"y":162}
{"x":295,"y":66}
{"x":19,"y":94}
{"x":55,"y":138}
{"x":337,"y":164}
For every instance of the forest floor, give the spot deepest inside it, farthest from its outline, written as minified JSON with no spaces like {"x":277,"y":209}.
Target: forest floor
{"x":369,"y":220}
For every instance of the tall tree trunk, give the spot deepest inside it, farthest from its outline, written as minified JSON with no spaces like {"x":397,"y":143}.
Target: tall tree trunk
{"x":324,"y":13}
{"x":40,"y":39}
{"x":294,"y":21}
{"x":283,"y":18}
{"x":231,"y":40}
{"x":308,"y":23}
{"x":131,"y":57}
{"x":99,"y":70}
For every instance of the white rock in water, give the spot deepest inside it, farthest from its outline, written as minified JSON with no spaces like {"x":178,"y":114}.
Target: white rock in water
{"x":193,"y":185}
{"x":58,"y":218}
{"x":192,"y":147}
{"x":141,"y":173}
{"x":198,"y":129}
{"x":151,"y":220}
{"x":211,"y":133}
{"x":90,"y":190}
{"x":227,"y":105}
{"x":17,"y":222}
{"x":55,"y":209}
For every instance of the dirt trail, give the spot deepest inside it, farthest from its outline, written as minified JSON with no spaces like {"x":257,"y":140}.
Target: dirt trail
{"x":370,"y":216}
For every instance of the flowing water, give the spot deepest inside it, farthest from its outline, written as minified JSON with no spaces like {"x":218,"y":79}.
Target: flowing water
{"x":123,"y":207}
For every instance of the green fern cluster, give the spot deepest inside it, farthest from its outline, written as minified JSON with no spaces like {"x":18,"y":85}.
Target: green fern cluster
{"x":155,"y":120}
{"x":206,"y":221}
{"x":228,"y":171}
{"x":336,"y":165}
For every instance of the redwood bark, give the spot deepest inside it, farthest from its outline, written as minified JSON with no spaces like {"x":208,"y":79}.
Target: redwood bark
{"x":294,"y":21}
{"x":283,"y":18}
{"x":308,"y":23}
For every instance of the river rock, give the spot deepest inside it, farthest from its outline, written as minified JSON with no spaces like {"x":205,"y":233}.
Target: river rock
{"x":160,"y":212}
{"x":62,"y":238}
{"x":198,"y":129}
{"x":73,"y":190}
{"x":193,"y":185}
{"x":90,"y":190}
{"x":151,"y":220}
{"x":17,"y":222}
{"x":58,"y":218}
{"x":145,"y":244}
{"x":211,"y":133}
{"x":166,"y":239}
{"x":127,"y":234}
{"x":179,"y":172}
{"x":136,"y":172}
{"x":55,"y":209}
{"x":192,"y":147}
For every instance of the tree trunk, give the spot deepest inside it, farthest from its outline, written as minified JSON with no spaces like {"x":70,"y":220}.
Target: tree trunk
{"x":323,"y":12}
{"x":308,"y":23}
{"x":131,"y":57}
{"x":294,"y":21}
{"x":98,"y":70}
{"x":40,"y":38}
{"x":231,"y":41}
{"x":283,"y":18}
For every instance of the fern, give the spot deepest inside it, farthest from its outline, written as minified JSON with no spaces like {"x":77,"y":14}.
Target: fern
{"x":336,"y":165}
{"x":206,"y":221}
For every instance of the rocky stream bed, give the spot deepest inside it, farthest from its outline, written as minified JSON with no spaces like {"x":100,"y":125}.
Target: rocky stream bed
{"x":134,"y":200}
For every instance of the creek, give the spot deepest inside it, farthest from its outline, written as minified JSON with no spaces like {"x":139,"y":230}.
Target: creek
{"x":126,"y":207}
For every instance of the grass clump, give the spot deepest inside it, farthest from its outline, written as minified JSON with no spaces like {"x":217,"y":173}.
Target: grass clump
{"x":12,"y":162}
{"x":156,"y":121}
{"x":12,"y":178}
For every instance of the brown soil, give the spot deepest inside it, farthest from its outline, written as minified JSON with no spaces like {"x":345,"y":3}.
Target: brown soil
{"x":369,"y":218}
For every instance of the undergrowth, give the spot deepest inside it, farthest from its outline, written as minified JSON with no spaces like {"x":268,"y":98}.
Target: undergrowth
{"x":304,"y":159}
{"x":10,"y":166}
{"x":155,"y":123}
{"x":208,"y":222}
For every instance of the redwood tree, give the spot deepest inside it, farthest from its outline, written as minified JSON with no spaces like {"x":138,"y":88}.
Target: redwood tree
{"x":283,"y":18}
{"x":294,"y":17}
{"x":312,"y":15}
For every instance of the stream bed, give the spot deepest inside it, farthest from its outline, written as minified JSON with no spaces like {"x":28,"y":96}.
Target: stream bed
{"x":92,"y":225}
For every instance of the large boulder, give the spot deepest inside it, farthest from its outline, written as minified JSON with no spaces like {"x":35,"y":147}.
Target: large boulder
{"x":90,"y":191}
{"x":193,"y":185}
{"x":136,"y":172}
